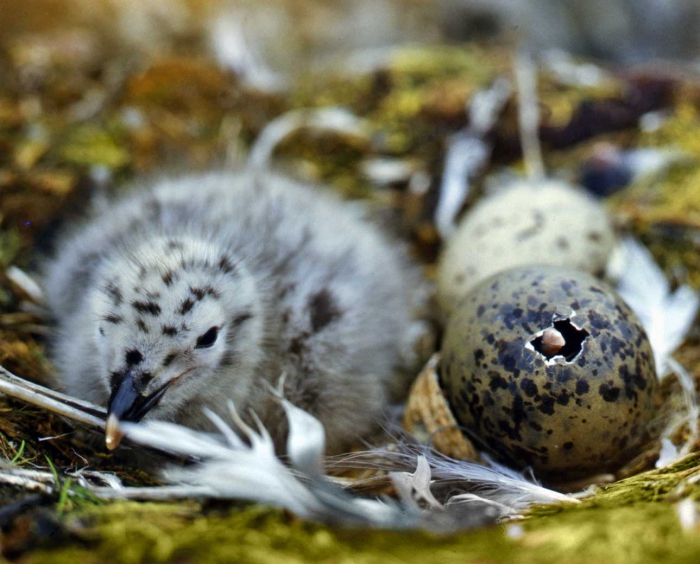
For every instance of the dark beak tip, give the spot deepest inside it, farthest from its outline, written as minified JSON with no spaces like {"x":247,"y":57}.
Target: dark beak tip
{"x":124,"y":398}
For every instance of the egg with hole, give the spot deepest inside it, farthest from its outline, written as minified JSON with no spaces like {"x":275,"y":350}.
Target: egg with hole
{"x":548,"y":222}
{"x":550,"y":369}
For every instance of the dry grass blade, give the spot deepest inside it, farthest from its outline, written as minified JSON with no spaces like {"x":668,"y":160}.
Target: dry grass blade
{"x":81,"y":411}
{"x":8,"y":479}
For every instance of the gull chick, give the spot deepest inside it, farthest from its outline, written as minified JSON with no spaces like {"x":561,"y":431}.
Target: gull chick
{"x":194,"y":291}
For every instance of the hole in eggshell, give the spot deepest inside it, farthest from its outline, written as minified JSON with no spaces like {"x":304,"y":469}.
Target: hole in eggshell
{"x":562,"y":339}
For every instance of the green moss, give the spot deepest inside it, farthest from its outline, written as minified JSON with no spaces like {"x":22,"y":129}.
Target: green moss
{"x":675,"y":197}
{"x":131,"y":533}
{"x":633,"y":520}
{"x":9,"y":246}
{"x":91,"y":146}
{"x":671,"y":484}
{"x":643,"y":532}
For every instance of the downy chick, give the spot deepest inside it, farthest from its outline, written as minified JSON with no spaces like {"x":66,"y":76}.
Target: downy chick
{"x":203,"y":289}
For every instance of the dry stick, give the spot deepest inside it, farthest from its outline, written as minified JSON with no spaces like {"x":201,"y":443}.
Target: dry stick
{"x":24,"y":482}
{"x":529,"y":115}
{"x":159,"y":493}
{"x":84,"y":412}
{"x":45,"y":482}
{"x":81,"y":404}
{"x":89,"y":414}
{"x":7,"y":467}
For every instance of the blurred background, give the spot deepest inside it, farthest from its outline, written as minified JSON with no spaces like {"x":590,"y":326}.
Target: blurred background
{"x":288,"y":31}
{"x":95,"y":92}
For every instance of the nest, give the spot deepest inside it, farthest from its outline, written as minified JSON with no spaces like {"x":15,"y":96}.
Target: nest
{"x":187,"y":110}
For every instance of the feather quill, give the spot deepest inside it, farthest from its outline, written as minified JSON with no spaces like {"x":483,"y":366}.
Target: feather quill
{"x":326,"y":119}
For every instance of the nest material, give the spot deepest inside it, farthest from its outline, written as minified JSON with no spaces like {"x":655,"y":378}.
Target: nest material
{"x":147,"y":118}
{"x":429,"y":418}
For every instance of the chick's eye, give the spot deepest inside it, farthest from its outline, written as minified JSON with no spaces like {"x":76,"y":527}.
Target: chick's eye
{"x":208,"y":339}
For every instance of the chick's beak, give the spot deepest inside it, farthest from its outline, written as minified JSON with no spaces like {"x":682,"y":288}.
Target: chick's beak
{"x":113,"y":434}
{"x":127,"y":403}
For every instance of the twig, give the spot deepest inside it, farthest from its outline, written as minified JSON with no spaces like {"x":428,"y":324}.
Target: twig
{"x":88,"y":414}
{"x":82,"y":411}
{"x":159,"y":493}
{"x":31,"y":475}
{"x":26,"y":483}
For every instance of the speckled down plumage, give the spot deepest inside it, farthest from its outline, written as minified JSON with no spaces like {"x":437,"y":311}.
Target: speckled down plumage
{"x":295,"y":281}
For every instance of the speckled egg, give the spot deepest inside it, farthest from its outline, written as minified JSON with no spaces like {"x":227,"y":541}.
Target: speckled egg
{"x":550,"y":222}
{"x":551,"y":369}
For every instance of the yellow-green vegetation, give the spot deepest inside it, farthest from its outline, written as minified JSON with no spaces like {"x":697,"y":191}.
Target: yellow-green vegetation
{"x":672,"y":198}
{"x":94,"y":147}
{"x":404,"y":102}
{"x":132,"y":533}
{"x":624,"y":522}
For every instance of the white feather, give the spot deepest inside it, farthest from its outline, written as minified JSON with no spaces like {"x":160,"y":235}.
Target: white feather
{"x":235,"y":49}
{"x":229,"y":471}
{"x":237,"y":471}
{"x":470,"y":498}
{"x":668,"y":453}
{"x":467,"y":154}
{"x":307,"y":439}
{"x":419,"y":482}
{"x":689,"y":417}
{"x":493,"y":483}
{"x":234,"y":470}
{"x":666,"y":316}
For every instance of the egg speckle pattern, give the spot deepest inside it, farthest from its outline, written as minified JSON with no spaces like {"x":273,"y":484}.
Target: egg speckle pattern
{"x":549,"y":222}
{"x":550,"y":369}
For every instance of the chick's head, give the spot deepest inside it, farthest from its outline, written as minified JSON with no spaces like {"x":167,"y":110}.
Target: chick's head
{"x":169,"y":318}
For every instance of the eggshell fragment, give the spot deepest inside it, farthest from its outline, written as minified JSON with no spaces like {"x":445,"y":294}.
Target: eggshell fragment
{"x":429,"y":417}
